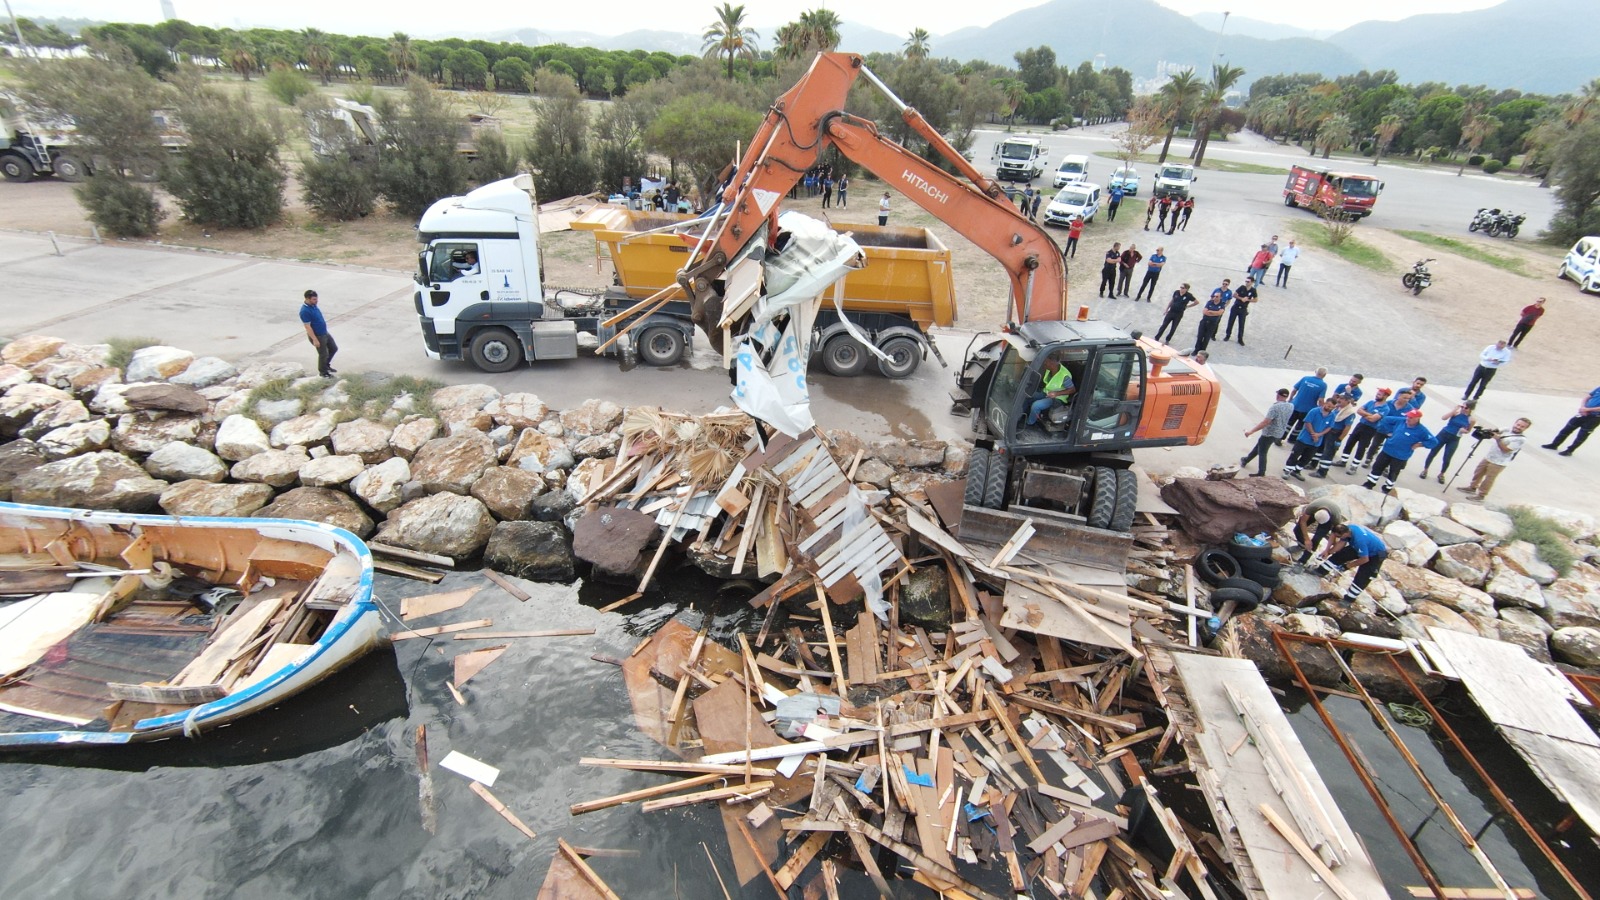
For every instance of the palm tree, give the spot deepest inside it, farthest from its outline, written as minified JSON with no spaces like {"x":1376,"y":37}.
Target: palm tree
{"x":1389,"y":127}
{"x":1334,"y":133}
{"x":241,"y":57}
{"x":1223,"y":78}
{"x":402,"y":55}
{"x":1177,"y":95}
{"x":1015,"y":90}
{"x":1475,"y":133}
{"x":318,"y":54}
{"x":821,"y":27}
{"x":789,"y":42}
{"x":917,"y":46}
{"x":729,"y":36}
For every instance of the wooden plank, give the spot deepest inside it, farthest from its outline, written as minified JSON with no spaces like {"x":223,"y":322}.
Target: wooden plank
{"x":1070,"y":834}
{"x":862,"y":642}
{"x":167,"y":694}
{"x":390,"y":567}
{"x":651,"y":765}
{"x":433,"y":604}
{"x":506,"y":585}
{"x":242,"y":628}
{"x":795,"y":864}
{"x":1306,"y":853}
{"x":649,"y":793}
{"x":501,"y":635}
{"x":497,"y":806}
{"x":440,"y":629}
{"x":589,"y":875}
{"x":469,"y":664}
{"x":1457,"y":893}
{"x":432,"y":559}
{"x":741,"y":791}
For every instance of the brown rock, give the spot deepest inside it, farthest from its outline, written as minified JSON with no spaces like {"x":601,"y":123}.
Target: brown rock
{"x":202,"y":498}
{"x":1250,"y":637}
{"x":364,"y":438}
{"x":464,"y":419}
{"x":1466,"y":563}
{"x":323,"y":505}
{"x":446,"y":523}
{"x":519,"y":410}
{"x":535,"y":443}
{"x":909,"y":454}
{"x":143,"y":433}
{"x":101,"y":480}
{"x":89,"y":381}
{"x":408,"y":437}
{"x":508,"y":492}
{"x":615,"y":541}
{"x":453,"y":464}
{"x":170,"y":397}
{"x":592,"y":417}
{"x":27,"y":350}
{"x":1523,"y":558}
{"x":16,"y":458}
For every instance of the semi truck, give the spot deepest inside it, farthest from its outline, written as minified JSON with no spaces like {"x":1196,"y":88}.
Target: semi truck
{"x":1324,"y":192}
{"x":35,"y":144}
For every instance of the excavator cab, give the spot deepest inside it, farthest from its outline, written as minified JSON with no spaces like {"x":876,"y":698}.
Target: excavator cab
{"x":1108,"y":372}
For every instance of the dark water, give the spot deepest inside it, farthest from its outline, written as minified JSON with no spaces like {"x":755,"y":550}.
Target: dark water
{"x":319,"y":797}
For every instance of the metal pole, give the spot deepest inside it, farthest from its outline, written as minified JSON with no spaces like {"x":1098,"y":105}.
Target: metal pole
{"x":1360,"y":768}
{"x":1463,"y":463}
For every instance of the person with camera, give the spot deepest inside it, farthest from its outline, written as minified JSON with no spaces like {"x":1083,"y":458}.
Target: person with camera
{"x":1457,"y":423}
{"x":1583,"y":423}
{"x":1504,"y":449}
{"x":1360,"y":548}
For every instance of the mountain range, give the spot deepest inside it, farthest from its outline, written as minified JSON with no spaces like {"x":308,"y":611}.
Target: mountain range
{"x":1517,"y":44}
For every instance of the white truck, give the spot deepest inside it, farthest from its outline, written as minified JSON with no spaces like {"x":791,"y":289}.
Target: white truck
{"x":480,"y":295}
{"x":1174,"y":180}
{"x":1019,"y":159}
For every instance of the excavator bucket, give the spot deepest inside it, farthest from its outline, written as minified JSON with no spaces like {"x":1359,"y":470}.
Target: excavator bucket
{"x":1054,"y":538}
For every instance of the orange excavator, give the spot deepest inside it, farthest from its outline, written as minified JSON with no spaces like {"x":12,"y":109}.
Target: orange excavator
{"x":1067,"y":459}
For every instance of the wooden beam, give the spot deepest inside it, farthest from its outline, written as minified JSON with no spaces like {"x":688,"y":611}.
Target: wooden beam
{"x":440,"y":629}
{"x":1306,"y":853}
{"x":651,"y":765}
{"x":588,"y":806}
{"x":743,"y":791}
{"x":432,"y":559}
{"x":582,"y":865}
{"x":506,"y":585}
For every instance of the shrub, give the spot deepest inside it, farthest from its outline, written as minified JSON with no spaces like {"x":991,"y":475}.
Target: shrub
{"x":338,"y":187}
{"x":418,"y":162}
{"x":495,"y":159}
{"x":1492,"y":166}
{"x":120,"y":207}
{"x":123,"y":348}
{"x":287,"y":85}
{"x":231,"y":176}
{"x":1552,"y":540}
{"x":1475,"y":159}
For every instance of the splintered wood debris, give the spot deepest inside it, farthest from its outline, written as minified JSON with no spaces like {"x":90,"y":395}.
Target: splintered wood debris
{"x":999,"y":752}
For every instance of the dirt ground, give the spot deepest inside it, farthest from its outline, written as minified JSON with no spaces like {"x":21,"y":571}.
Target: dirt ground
{"x":1335,"y":313}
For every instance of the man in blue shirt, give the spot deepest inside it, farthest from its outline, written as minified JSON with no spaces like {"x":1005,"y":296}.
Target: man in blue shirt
{"x":1305,"y":395}
{"x":1151,"y":273}
{"x":1583,"y":423}
{"x":1406,"y":434}
{"x":1211,"y":316}
{"x":1316,"y":426}
{"x":1358,"y":547}
{"x":1115,"y":195}
{"x":317,"y":330}
{"x":1417,"y":396}
{"x":1351,"y":388}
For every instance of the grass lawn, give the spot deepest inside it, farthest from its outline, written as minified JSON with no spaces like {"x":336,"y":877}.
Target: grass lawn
{"x":1213,"y":165}
{"x":1471,"y":251}
{"x":1352,"y":249}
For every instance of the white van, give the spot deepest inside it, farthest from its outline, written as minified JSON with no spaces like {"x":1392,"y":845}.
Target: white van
{"x":1583,"y":264}
{"x":1073,"y":168}
{"x":1077,"y":199}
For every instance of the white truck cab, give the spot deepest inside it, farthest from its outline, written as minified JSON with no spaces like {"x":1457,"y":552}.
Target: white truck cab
{"x":1174,"y":180}
{"x":1019,"y":159}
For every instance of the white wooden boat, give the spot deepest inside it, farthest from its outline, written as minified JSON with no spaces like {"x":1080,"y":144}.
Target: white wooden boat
{"x":118,"y":628}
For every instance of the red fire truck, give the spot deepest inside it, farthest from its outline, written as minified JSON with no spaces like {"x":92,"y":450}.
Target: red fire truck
{"x":1319,"y":190}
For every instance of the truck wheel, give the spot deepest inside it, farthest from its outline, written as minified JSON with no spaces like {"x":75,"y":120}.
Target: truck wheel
{"x":1103,"y":506}
{"x":904,"y":355}
{"x":15,"y":169}
{"x":995,"y":483}
{"x":977,"y":475}
{"x":496,"y":350}
{"x":1288,"y":200}
{"x":844,"y":356}
{"x":68,"y":168}
{"x":146,"y":169}
{"x":660,"y":345}
{"x":1127,"y":500}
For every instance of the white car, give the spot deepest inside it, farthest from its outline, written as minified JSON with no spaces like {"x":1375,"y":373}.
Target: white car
{"x":1583,"y":264}
{"x":1077,"y":199}
{"x":1074,"y":168}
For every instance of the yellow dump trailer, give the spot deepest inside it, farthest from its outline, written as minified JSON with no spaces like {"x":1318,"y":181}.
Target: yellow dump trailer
{"x":906,"y":287}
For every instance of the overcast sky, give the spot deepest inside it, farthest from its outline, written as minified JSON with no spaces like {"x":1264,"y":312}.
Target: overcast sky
{"x":895,"y":16}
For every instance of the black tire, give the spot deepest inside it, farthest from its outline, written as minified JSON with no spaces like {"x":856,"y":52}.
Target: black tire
{"x":1103,"y":503}
{"x":1127,"y":500}
{"x":1511,"y":232}
{"x":1259,"y":568}
{"x":1473,"y":226}
{"x":15,"y":168}
{"x":1242,"y":552}
{"x":496,"y":350}
{"x":1416,"y":289}
{"x":660,"y":345}
{"x":977,"y":475}
{"x":844,"y":356}
{"x":998,"y":479}
{"x":1409,"y":280}
{"x":1244,"y":599}
{"x":905,"y":354}
{"x":146,"y":169}
{"x":1242,"y":584}
{"x":1493,"y":231}
{"x":1214,"y":565}
{"x":70,"y":168}
{"x":1288,"y":200}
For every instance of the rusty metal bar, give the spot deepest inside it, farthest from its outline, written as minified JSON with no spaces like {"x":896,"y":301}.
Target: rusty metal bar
{"x":1422,"y":777}
{"x":1360,"y":769}
{"x":1483,"y":774}
{"x":1588,"y":685}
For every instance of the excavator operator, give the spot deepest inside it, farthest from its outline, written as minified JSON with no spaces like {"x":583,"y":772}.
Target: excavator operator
{"x":1055,"y":386}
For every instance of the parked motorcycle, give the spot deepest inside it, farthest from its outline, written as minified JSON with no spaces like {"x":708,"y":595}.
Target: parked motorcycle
{"x":1419,"y":277}
{"x":1483,"y":219}
{"x":1507,"y":224}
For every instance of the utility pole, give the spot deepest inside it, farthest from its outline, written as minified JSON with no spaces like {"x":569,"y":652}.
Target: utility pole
{"x":15,"y":28}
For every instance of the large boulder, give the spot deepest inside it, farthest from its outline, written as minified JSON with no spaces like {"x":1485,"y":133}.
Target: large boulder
{"x":1532,"y":640}
{"x":537,"y":551}
{"x":1411,"y":582}
{"x":1427,"y":614}
{"x":143,"y":433}
{"x":1482,"y":519}
{"x":592,"y":417}
{"x":1213,"y":511}
{"x":909,"y":454}
{"x":239,"y":437}
{"x":456,"y":396}
{"x":252,"y":377}
{"x":552,"y":506}
{"x":1522,"y":557}
{"x":76,"y":440}
{"x":519,"y":410}
{"x":453,"y":464}
{"x":1361,"y":506}
{"x":364,"y":438}
{"x":21,"y":403}
{"x":331,"y":471}
{"x":1360,"y":617}
{"x":179,"y":461}
{"x":462,"y":419}
{"x":1581,"y":525}
{"x":1409,"y":543}
{"x":11,"y":376}
{"x":615,"y":541}
{"x":203,"y":498}
{"x":1510,"y":588}
{"x":1447,"y":532}
{"x":1567,"y":602}
{"x":534,"y":449}
{"x":1250,"y":637}
{"x":70,"y":412}
{"x":1466,"y":563}
{"x":1526,"y":618}
{"x":446,"y":523}
{"x":409,"y":437}
{"x":1457,"y":596}
{"x":1578,"y":645}
{"x":597,"y":446}
{"x":273,"y":412}
{"x":310,"y":430}
{"x":874,"y":472}
{"x":1314,"y":626}
{"x":313,"y":504}
{"x":168,"y":397}
{"x":1297,"y":588}
{"x":1416,"y":506}
{"x":508,"y":492}
{"x":89,"y":382}
{"x":16,"y":458}
{"x":205,"y":371}
{"x":704,"y":556}
{"x":279,"y":468}
{"x":158,"y":363}
{"x":100,"y":480}
{"x":30,"y":349}
{"x":382,"y":487}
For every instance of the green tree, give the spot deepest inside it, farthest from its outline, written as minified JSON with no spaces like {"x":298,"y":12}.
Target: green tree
{"x":701,"y":132}
{"x":495,"y":160}
{"x":287,"y":85}
{"x":729,"y":36}
{"x":402,"y":55}
{"x":1178,"y":96}
{"x":230,"y":176}
{"x":1389,"y":126}
{"x":1474,"y":133}
{"x":1334,"y":133}
{"x":558,"y":150}
{"x":467,"y":67}
{"x":821,"y":26}
{"x":619,"y":142}
{"x":417,"y":161}
{"x":318,"y":54}
{"x":119,"y":207}
{"x":1223,"y":78}
{"x":1575,"y":171}
{"x":919,"y":44}
{"x":512,"y":74}
{"x":1036,"y":68}
{"x":108,"y":97}
{"x":241,"y":56}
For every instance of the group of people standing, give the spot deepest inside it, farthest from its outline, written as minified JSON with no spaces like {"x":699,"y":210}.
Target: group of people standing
{"x":1166,"y":206}
{"x":819,"y":181}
